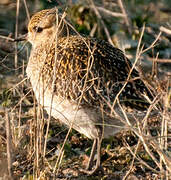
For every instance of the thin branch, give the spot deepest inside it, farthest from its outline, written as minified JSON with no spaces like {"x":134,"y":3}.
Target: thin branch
{"x":115,"y":14}
{"x":159,"y":60}
{"x":16,"y":33}
{"x":7,"y":38}
{"x":102,"y":22}
{"x":165,"y":30}
{"x":8,"y":134}
{"x":153,"y":43}
{"x":127,"y":21}
{"x":27,"y":11}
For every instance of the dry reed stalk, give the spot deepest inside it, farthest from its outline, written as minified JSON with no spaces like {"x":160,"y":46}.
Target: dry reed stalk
{"x":159,"y":60}
{"x":16,"y":34}
{"x":114,"y":14}
{"x":165,"y":30}
{"x":26,"y":8}
{"x":127,"y":21}
{"x":8,"y":142}
{"x":7,"y":38}
{"x":102,"y":22}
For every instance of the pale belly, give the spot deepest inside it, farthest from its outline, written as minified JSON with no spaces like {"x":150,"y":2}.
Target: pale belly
{"x":87,"y":121}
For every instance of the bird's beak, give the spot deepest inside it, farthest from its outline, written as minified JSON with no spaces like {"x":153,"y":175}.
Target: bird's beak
{"x":21,"y":38}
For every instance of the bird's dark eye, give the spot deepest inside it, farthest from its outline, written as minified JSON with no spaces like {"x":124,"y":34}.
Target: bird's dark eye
{"x":38,"y":29}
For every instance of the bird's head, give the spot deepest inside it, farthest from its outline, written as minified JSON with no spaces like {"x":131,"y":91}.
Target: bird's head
{"x":46,"y":26}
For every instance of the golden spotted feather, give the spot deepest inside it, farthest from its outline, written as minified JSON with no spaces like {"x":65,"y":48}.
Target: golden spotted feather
{"x":91,"y":71}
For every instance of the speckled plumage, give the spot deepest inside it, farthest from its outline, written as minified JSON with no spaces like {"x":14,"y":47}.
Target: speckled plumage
{"x":82,"y":75}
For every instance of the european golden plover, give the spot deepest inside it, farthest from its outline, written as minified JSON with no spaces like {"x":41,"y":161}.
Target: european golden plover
{"x":77,"y":79}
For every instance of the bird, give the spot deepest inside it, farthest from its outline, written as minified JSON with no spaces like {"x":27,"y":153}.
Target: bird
{"x":82,"y":80}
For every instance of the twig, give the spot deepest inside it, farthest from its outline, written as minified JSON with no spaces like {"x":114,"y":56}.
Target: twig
{"x":16,"y":33}
{"x":8,"y":134}
{"x":127,"y":21}
{"x":153,"y":43}
{"x":159,"y":60}
{"x":27,"y":12}
{"x":165,"y":30}
{"x":7,"y":38}
{"x":115,"y":14}
{"x":93,"y":30}
{"x":102,"y":22}
{"x":133,"y":160}
{"x":141,"y":161}
{"x":138,"y":53}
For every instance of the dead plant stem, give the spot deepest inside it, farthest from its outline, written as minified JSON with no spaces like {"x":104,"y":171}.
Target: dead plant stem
{"x":9,"y":146}
{"x":16,"y":34}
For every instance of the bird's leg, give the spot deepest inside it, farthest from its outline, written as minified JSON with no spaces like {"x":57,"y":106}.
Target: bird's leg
{"x":93,"y":150}
{"x":97,"y":143}
{"x":98,"y":166}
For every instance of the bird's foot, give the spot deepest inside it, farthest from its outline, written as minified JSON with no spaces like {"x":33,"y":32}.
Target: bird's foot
{"x":93,"y":171}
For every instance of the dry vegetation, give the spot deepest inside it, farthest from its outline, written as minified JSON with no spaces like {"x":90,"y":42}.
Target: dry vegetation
{"x":35,"y":146}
